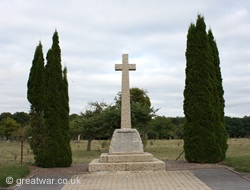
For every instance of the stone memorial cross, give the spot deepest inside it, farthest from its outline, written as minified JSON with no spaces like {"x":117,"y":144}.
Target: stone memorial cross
{"x":126,"y":149}
{"x":125,"y":102}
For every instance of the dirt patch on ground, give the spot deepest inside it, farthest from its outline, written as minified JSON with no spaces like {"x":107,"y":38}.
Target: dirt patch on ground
{"x":73,"y":169}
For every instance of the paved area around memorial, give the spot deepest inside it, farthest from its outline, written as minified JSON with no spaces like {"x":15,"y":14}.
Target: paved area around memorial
{"x":222,"y":179}
{"x":160,"y":180}
{"x":179,"y":175}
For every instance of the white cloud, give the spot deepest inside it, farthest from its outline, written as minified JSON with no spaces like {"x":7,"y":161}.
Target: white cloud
{"x":94,"y":34}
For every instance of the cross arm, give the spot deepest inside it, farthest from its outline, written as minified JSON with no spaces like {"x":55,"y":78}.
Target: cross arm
{"x":131,"y":67}
{"x":118,"y":67}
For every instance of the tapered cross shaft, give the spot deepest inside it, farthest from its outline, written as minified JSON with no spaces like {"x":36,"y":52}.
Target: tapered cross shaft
{"x":125,"y":67}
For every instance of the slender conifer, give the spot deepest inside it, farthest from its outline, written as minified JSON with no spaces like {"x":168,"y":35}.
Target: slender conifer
{"x":219,"y":102}
{"x":58,"y":152}
{"x":36,"y":97}
{"x":48,"y":95}
{"x":201,"y":101}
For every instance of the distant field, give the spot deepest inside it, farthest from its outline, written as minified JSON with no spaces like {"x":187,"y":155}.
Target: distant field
{"x":162,"y":149}
{"x":238,"y":154}
{"x":238,"y":147}
{"x":10,"y":152}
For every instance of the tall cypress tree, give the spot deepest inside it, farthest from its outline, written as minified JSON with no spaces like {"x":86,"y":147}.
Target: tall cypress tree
{"x":36,"y":96}
{"x":36,"y":81}
{"x":58,"y":152}
{"x":219,"y":102}
{"x":200,"y":108}
{"x":48,"y":96}
{"x":65,"y":116}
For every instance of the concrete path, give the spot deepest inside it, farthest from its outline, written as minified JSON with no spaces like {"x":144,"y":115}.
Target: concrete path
{"x":222,"y":179}
{"x":215,"y":179}
{"x":138,"y":181}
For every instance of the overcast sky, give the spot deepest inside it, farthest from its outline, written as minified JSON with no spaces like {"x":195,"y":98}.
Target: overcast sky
{"x":94,"y":34}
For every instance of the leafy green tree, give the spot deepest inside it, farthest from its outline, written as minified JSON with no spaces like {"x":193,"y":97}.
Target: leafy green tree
{"x":89,"y":123}
{"x":235,"y":127}
{"x":139,"y":96}
{"x":178,"y":120}
{"x":163,"y":127}
{"x":8,"y":126}
{"x":2,"y":132}
{"x":73,"y":117}
{"x":201,"y":130}
{"x":238,"y":127}
{"x":21,"y":133}
{"x":22,"y":118}
{"x":141,"y":110}
{"x":74,"y":128}
{"x":98,"y":121}
{"x":111,"y":120}
{"x":141,"y":117}
{"x":178,"y":132}
{"x":4,"y":115}
{"x":246,"y":122}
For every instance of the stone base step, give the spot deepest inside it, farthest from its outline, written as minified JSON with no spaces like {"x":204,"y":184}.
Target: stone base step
{"x":110,"y":158}
{"x":155,"y":165}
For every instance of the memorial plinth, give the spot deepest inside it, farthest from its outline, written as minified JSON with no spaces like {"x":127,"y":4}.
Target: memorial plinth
{"x":126,"y":149}
{"x":126,"y":141}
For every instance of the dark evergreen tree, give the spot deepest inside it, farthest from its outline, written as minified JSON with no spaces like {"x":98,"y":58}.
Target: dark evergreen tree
{"x":200,"y":130}
{"x":36,"y":82}
{"x":219,"y":102}
{"x":58,"y":152}
{"x":36,"y":96}
{"x":48,"y":96}
{"x":65,"y":116}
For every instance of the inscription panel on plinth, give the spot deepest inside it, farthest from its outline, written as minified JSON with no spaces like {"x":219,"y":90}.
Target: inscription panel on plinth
{"x":126,"y":141}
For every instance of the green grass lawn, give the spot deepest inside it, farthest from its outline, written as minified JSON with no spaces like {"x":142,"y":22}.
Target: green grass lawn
{"x":13,"y":171}
{"x":10,"y":152}
{"x":238,"y":153}
{"x":165,"y":149}
{"x":240,"y":163}
{"x":161,"y":149}
{"x":80,"y":155}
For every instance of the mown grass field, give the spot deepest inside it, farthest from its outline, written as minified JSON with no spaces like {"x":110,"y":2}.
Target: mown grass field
{"x":238,"y":151}
{"x":15,"y":171}
{"x":238,"y":154}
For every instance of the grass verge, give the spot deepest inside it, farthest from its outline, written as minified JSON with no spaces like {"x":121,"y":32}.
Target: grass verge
{"x":240,"y":163}
{"x":14,"y":171}
{"x":238,"y":153}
